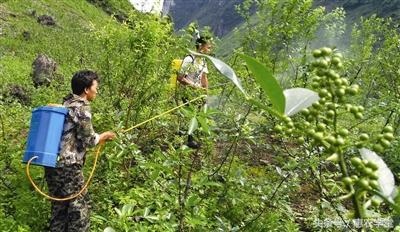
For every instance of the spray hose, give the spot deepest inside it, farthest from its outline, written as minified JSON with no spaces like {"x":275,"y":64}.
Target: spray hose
{"x":98,"y":150}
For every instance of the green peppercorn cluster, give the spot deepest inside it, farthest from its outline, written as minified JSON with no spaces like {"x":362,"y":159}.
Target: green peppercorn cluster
{"x":383,"y":140}
{"x":320,"y":124}
{"x":368,"y":172}
{"x":322,"y":129}
{"x":331,"y":88}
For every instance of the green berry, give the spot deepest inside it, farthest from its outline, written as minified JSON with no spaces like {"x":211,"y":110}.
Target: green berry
{"x":317,"y":53}
{"x":388,"y":129}
{"x":323,"y":64}
{"x":340,"y":141}
{"x":315,"y":85}
{"x":347,"y":181}
{"x":338,"y":82}
{"x":311,"y":132}
{"x":364,"y":137}
{"x":316,"y":105}
{"x":351,"y":91}
{"x":359,"y":115}
{"x":353,"y":109}
{"x":331,"y":139}
{"x":321,"y":126}
{"x":374,"y":184}
{"x":305,"y":112}
{"x":356,"y":161}
{"x":343,"y":132}
{"x":326,"y":51}
{"x":355,"y":86}
{"x":286,"y":119}
{"x":330,"y":113}
{"x":334,"y":157}
{"x":334,"y":76}
{"x":364,"y":183}
{"x":385,"y":143}
{"x":378,"y":148}
{"x":389,"y":136}
{"x":318,"y":136}
{"x":374,"y":176}
{"x":290,"y":124}
{"x":345,"y":82}
{"x":375,"y":202}
{"x":336,"y":60}
{"x":323,"y":92}
{"x":368,"y":171}
{"x":278,"y":128}
{"x":372,"y":165}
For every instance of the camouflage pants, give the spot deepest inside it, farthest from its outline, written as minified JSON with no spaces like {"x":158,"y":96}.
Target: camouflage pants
{"x":72,"y":215}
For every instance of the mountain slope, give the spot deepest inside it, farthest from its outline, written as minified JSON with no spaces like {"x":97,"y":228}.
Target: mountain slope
{"x":219,"y":14}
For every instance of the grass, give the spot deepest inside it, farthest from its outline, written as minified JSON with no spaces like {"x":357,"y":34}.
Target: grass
{"x":66,"y":42}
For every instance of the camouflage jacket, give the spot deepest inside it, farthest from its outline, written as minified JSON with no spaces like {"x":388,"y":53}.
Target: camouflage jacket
{"x":78,"y":133}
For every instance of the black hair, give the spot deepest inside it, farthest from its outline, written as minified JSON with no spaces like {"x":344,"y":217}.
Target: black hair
{"x":82,"y":80}
{"x":201,"y":41}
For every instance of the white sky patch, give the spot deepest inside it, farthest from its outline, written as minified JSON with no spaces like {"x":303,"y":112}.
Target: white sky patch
{"x":146,"y":6}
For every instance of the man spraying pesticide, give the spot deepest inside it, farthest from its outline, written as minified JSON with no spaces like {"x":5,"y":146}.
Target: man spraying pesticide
{"x":64,"y":174}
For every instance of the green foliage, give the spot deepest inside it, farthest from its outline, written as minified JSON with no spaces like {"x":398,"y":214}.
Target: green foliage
{"x":258,"y":169}
{"x":268,"y":83}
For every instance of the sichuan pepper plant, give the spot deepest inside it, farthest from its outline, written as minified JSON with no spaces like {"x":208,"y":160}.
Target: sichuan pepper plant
{"x":327,"y":128}
{"x":364,"y":177}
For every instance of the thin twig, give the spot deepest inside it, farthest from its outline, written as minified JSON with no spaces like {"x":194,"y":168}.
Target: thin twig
{"x":268,"y":204}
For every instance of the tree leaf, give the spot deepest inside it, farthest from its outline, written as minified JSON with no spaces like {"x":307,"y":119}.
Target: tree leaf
{"x":224,"y":69}
{"x":298,"y":99}
{"x":192,"y":200}
{"x":193,"y":126}
{"x":152,"y":218}
{"x":146,"y":212}
{"x":267,"y":82}
{"x":386,"y":178}
{"x":127,"y":209}
{"x":118,"y":212}
{"x":204,"y":124}
{"x":264,"y":107}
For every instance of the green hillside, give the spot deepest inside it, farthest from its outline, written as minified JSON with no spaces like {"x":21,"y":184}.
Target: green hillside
{"x":66,"y":42}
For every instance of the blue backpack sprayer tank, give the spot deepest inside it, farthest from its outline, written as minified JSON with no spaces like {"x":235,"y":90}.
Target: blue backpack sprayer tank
{"x":44,"y":137}
{"x":43,"y":146}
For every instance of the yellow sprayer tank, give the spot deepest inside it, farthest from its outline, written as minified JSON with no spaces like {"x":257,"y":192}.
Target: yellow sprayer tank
{"x":175,"y":66}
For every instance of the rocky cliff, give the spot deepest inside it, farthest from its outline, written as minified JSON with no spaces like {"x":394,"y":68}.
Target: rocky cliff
{"x":221,"y":15}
